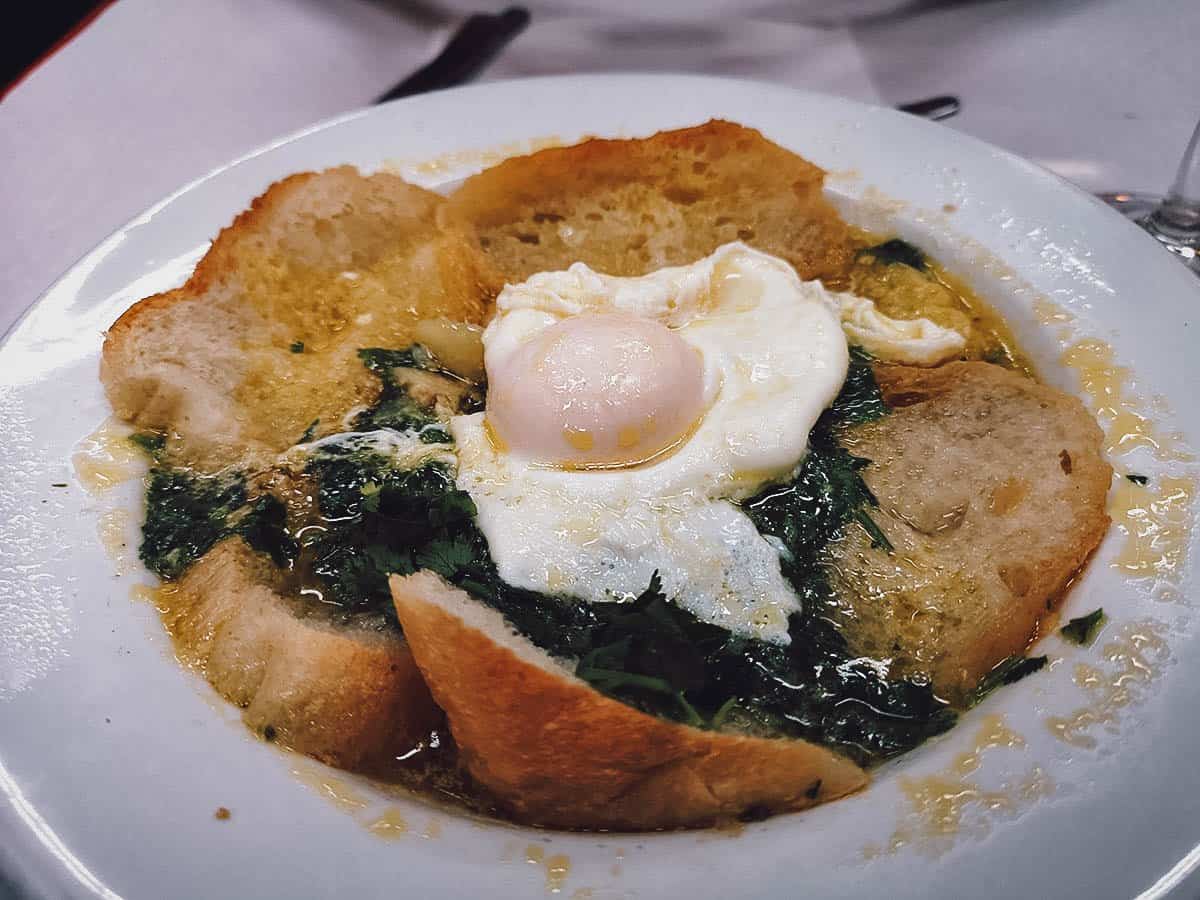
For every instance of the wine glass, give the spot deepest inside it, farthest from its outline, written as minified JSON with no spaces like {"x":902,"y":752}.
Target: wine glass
{"x":1174,"y":219}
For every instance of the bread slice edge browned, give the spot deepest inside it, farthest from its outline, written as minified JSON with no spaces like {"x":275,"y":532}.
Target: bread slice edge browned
{"x":347,"y":695}
{"x":559,"y":753}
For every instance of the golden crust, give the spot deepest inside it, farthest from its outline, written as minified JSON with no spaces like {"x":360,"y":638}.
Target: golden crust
{"x":992,"y":487}
{"x":627,"y":207}
{"x":350,"y":696}
{"x":330,"y":262}
{"x":559,"y":753}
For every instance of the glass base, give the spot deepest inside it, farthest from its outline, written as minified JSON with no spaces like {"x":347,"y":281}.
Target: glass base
{"x":1134,"y":205}
{"x":1140,"y":208}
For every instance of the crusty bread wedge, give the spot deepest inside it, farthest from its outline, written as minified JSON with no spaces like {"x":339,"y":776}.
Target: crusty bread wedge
{"x":346,"y":694}
{"x":559,"y":753}
{"x":234,"y":367}
{"x":992,"y":488}
{"x":627,"y":207}
{"x":262,"y":339}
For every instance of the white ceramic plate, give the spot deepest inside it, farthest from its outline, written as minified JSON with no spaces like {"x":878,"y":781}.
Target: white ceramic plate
{"x":114,"y":758}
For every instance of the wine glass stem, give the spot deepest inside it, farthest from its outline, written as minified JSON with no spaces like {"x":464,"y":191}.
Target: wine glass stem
{"x":1179,"y":214}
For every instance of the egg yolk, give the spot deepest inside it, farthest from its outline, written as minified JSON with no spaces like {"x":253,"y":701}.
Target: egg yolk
{"x":596,"y":391}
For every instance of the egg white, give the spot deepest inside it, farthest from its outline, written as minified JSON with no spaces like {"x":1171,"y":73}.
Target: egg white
{"x":774,"y":357}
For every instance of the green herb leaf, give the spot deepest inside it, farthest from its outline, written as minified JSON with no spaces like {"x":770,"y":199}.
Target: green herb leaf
{"x":382,"y":361}
{"x":297,"y":346}
{"x":395,"y":407}
{"x":898,"y":251}
{"x":860,"y":399}
{"x":446,"y":557}
{"x":1007,"y":671}
{"x":187,"y":513}
{"x":723,"y":712}
{"x":878,"y":538}
{"x":263,"y":526}
{"x":152,"y":442}
{"x":1084,"y":629}
{"x":1139,"y":479}
{"x":310,"y":432}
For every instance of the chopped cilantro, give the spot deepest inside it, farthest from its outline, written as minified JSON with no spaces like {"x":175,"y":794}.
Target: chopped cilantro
{"x":382,"y":361}
{"x":445,"y":555}
{"x":152,"y":442}
{"x":187,"y":513}
{"x":1084,"y":629}
{"x":381,"y":520}
{"x":898,"y":251}
{"x":297,"y":346}
{"x":1139,"y":479}
{"x":860,"y":399}
{"x":1008,"y":671}
{"x":310,"y":432}
{"x":395,"y":408}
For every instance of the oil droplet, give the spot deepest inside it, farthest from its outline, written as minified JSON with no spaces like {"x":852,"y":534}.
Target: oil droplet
{"x":338,"y":790}
{"x":617,"y":868}
{"x":106,"y":457}
{"x":144,"y":593}
{"x":389,"y":824}
{"x":454,"y":162}
{"x":943,"y":806}
{"x":432,"y":830}
{"x":993,"y":733}
{"x":579,"y":438}
{"x":1049,"y":313}
{"x":1156,"y":520}
{"x":113,"y":530}
{"x":1126,"y":428}
{"x":558,"y":867}
{"x":1135,"y":658}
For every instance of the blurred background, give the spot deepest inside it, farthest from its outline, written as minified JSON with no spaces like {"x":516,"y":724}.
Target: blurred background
{"x":110,"y":106}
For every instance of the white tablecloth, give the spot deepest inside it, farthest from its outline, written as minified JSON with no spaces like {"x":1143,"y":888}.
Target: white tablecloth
{"x":151,"y":95}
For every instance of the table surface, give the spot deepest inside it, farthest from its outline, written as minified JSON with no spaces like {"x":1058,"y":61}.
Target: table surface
{"x":152,"y":95}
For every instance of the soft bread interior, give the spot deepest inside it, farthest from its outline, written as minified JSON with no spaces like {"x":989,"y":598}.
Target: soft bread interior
{"x":234,"y":367}
{"x":627,"y":207}
{"x":992,"y":488}
{"x":559,"y":753}
{"x":349,"y":695}
{"x":262,"y":340}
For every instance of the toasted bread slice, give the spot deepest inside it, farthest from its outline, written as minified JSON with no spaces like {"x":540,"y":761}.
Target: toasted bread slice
{"x":262,"y":339}
{"x":627,"y":207}
{"x":560,"y":753}
{"x":992,"y":488}
{"x":235,"y":365}
{"x":349,"y":695}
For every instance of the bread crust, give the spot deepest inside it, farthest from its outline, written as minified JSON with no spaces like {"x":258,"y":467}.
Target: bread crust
{"x":326,"y":262}
{"x":348,"y":695}
{"x":559,"y":753}
{"x":627,"y":207}
{"x":332,"y":261}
